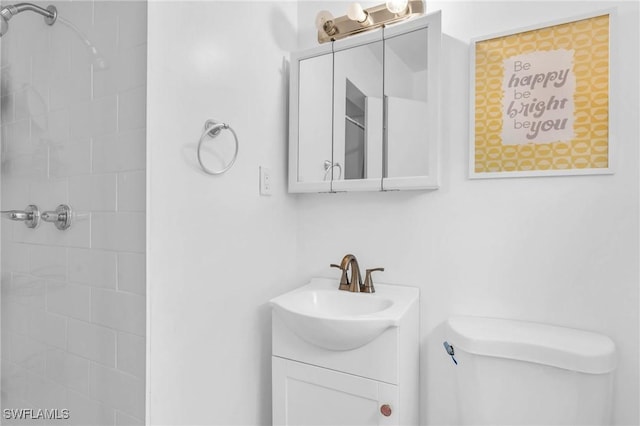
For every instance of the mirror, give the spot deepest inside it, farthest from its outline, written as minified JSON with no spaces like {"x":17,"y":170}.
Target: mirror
{"x":314,"y":118}
{"x":406,"y":75}
{"x":357,"y":117}
{"x":364,"y":111}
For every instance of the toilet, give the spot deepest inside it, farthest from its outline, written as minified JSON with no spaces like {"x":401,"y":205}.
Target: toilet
{"x":521,"y":373}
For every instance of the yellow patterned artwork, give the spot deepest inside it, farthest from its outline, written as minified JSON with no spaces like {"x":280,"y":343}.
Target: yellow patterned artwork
{"x":541,"y":101}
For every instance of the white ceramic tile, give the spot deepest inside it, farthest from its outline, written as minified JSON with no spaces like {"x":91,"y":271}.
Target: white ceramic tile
{"x":124,"y":152}
{"x":132,"y":23}
{"x":106,"y":11}
{"x":60,"y":43}
{"x":92,"y":341}
{"x":60,"y":124}
{"x":97,"y":268}
{"x":87,"y":412}
{"x":30,"y":102}
{"x":6,"y":346}
{"x":47,"y":195}
{"x":132,"y":68}
{"x":68,"y":370}
{"x":19,"y":74}
{"x":25,"y":290}
{"x":80,"y":120}
{"x":21,"y":105}
{"x":117,"y":389}
{"x":28,"y":236}
{"x":40,"y":66}
{"x":132,"y":273}
{"x":104,"y":115}
{"x":59,"y":93}
{"x":7,"y":112}
{"x":131,"y":354}
{"x":132,"y":152}
{"x":48,"y":328}
{"x":15,"y":256}
{"x":79,"y":13}
{"x":56,"y":130}
{"x":78,"y":235}
{"x":44,"y":393}
{"x":70,"y":159}
{"x":125,"y":420}
{"x":18,"y":137}
{"x":39,"y":161}
{"x":15,"y":318}
{"x":132,"y":109}
{"x":97,"y":192}
{"x":14,"y":380}
{"x":132,"y":191}
{"x":104,"y":54}
{"x":28,"y":353}
{"x":48,"y":261}
{"x":15,"y":195}
{"x":104,"y":79}
{"x":118,"y":231}
{"x":73,"y":88}
{"x":70,"y":300}
{"x":119,"y":310}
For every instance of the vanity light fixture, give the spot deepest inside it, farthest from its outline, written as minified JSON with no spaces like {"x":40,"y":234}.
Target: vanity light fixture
{"x":358,"y":19}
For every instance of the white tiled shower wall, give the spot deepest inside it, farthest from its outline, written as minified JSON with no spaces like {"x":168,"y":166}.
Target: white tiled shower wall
{"x":73,"y":131}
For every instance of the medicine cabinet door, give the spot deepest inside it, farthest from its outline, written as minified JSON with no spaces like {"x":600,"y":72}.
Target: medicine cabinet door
{"x":310,"y":134}
{"x":358,"y":113}
{"x":411,"y":73}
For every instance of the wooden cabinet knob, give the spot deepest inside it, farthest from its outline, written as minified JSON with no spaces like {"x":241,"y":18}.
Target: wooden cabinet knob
{"x":386,"y":410}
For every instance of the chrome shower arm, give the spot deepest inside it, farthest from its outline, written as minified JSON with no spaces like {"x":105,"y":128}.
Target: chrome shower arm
{"x":50,"y":13}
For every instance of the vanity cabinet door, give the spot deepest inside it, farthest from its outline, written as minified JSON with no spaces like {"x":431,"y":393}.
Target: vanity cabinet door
{"x":304,"y":394}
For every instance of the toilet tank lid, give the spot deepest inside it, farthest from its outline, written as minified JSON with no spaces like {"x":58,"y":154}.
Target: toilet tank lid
{"x":561,"y":347}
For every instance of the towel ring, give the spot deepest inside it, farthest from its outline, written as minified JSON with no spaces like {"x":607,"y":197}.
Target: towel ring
{"x":213,"y":129}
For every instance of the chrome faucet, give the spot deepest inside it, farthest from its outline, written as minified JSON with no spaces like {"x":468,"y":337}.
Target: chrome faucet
{"x":350,"y":263}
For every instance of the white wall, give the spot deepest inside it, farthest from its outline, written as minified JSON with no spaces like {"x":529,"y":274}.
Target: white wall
{"x":73,"y":302}
{"x":560,"y":250}
{"x":217,"y":250}
{"x":556,"y":250}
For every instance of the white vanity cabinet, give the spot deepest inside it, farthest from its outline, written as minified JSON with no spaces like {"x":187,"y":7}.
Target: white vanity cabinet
{"x":304,"y":394}
{"x":373,"y":384}
{"x":364,"y":111}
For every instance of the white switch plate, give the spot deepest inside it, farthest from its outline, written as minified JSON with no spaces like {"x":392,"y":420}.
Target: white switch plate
{"x":265,"y":181}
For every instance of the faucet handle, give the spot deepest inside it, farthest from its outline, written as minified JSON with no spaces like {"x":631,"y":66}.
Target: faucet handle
{"x":368,"y":287}
{"x":344,"y":281}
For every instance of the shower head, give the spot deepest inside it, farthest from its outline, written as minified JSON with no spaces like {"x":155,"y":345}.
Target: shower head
{"x":6,"y":13}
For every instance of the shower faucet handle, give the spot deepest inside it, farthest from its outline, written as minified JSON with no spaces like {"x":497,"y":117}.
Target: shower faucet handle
{"x":60,"y":217}
{"x":30,"y":215}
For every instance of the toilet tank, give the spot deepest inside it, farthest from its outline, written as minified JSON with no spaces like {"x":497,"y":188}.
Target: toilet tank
{"x":521,"y":373}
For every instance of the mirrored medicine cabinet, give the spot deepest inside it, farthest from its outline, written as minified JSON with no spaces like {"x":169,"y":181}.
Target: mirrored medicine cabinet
{"x":364,"y":111}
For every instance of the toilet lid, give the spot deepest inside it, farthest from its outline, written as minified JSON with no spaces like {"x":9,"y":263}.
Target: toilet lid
{"x":567,"y":348}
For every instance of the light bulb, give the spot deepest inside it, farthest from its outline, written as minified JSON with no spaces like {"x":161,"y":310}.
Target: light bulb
{"x":397,"y":6}
{"x":356,"y":13}
{"x":321,"y":18}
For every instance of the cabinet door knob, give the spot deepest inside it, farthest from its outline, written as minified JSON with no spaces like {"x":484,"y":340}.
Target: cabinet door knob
{"x":386,"y":410}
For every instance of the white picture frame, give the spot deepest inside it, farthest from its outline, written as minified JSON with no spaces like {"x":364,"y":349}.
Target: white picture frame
{"x":525,"y":125}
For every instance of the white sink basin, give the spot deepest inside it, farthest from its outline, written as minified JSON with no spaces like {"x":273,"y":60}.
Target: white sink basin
{"x":339,"y":320}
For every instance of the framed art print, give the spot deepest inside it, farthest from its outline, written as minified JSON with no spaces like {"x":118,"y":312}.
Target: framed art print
{"x":540,"y":101}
